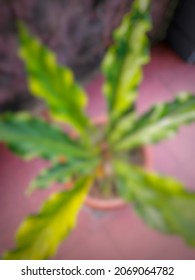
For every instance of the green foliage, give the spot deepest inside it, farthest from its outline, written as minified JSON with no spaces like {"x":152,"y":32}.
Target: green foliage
{"x":53,"y":83}
{"x":97,"y":154}
{"x":161,"y":122}
{"x":39,"y":235}
{"x":123,"y":61}
{"x":163,"y":203}
{"x":63,"y":172}
{"x":31,"y":137}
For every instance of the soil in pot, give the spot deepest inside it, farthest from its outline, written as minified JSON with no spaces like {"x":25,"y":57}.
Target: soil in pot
{"x":108,"y":190}
{"x":103,"y":194}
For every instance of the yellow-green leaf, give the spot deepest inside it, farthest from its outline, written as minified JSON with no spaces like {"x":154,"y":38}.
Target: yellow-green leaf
{"x":39,"y":235}
{"x":53,"y":83}
{"x":123,"y":62}
{"x":160,"y":122}
{"x":162,"y":202}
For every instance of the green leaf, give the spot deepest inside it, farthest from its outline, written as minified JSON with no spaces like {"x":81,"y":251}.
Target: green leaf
{"x":32,"y":137}
{"x":63,"y":172}
{"x":53,"y":83}
{"x":161,"y":122}
{"x":162,"y":202}
{"x":123,"y":62}
{"x":39,"y":235}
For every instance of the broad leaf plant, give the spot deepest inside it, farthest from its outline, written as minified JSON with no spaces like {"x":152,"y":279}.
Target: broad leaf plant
{"x":163,"y":203}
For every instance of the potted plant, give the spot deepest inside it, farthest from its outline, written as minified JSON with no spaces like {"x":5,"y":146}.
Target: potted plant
{"x":97,"y":155}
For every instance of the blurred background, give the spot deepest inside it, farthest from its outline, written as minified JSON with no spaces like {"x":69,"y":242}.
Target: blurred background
{"x":80,"y":32}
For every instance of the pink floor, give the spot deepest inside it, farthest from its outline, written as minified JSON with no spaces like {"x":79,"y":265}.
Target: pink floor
{"x":119,"y":234}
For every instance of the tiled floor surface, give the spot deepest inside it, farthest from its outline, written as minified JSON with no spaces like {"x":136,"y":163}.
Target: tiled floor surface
{"x":119,"y":234}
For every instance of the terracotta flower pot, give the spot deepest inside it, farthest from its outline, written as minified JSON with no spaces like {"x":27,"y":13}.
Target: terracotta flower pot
{"x":114,"y":203}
